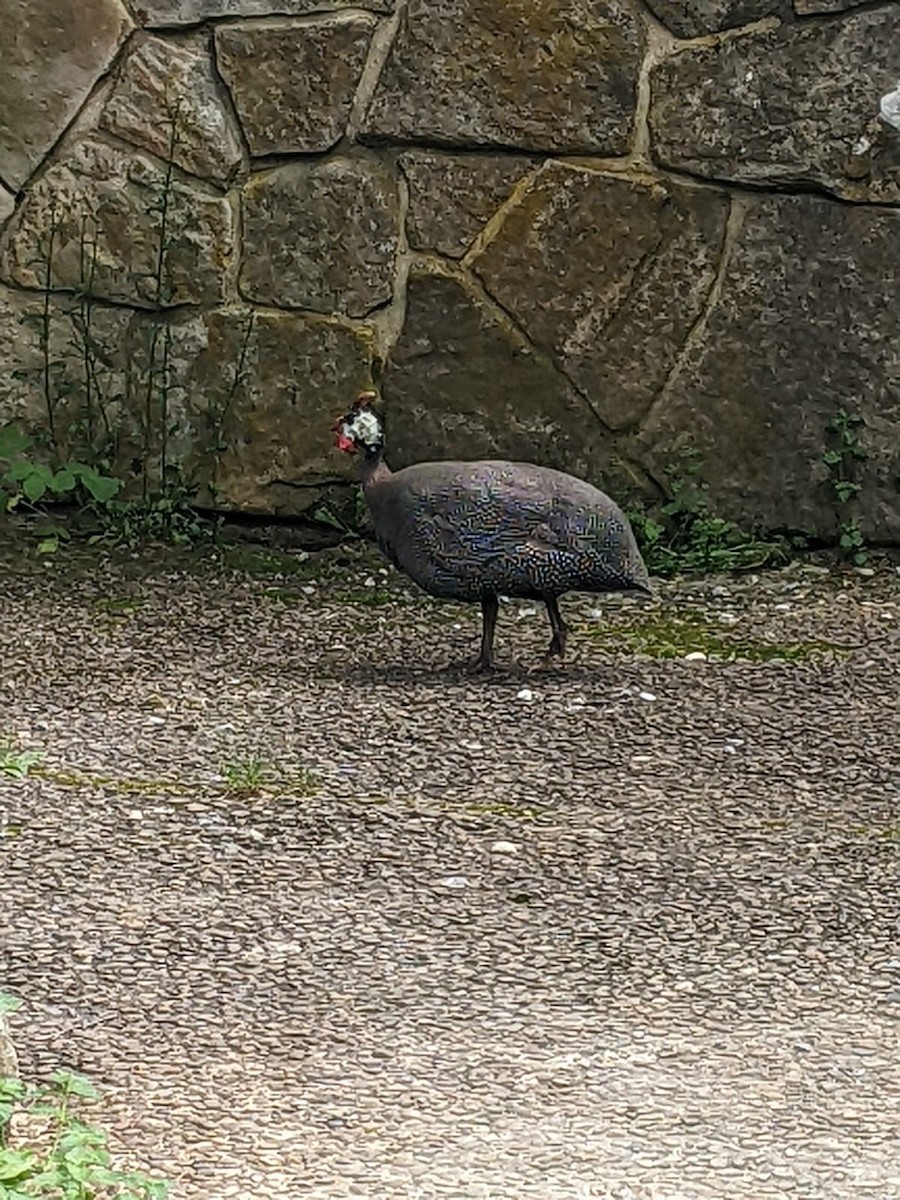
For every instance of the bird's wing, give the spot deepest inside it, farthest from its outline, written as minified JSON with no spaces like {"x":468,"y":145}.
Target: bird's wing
{"x":485,"y":523}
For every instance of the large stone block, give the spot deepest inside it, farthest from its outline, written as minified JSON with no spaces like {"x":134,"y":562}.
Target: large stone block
{"x":167,"y":100}
{"x":608,"y":274}
{"x":694,"y":18}
{"x":806,"y":323}
{"x":558,"y":75}
{"x":53,"y":54}
{"x":794,"y":105}
{"x":252,"y":401}
{"x":293,"y":84}
{"x":452,"y":196}
{"x":191,"y":12}
{"x":322,"y":236}
{"x":461,"y":382}
{"x":94,"y":222}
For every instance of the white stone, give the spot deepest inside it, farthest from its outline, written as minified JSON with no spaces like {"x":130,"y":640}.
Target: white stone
{"x":504,"y":848}
{"x":890,"y":108}
{"x":525,"y":694}
{"x":695,"y":656}
{"x":646,"y":696}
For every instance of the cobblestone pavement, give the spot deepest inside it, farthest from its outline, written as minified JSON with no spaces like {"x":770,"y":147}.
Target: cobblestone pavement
{"x":324,"y":917}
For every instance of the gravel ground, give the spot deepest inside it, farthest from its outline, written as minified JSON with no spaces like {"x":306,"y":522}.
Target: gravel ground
{"x":626,"y":928}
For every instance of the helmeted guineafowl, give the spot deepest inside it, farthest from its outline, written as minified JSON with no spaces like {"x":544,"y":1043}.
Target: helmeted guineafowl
{"x":474,"y":531}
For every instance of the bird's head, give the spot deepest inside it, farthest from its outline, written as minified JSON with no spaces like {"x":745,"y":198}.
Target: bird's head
{"x":360,"y":429}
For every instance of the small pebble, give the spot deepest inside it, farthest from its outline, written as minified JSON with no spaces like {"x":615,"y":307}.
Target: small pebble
{"x":453,"y":881}
{"x":695,"y":656}
{"x":525,"y":694}
{"x":504,"y":848}
{"x":369,"y":582}
{"x":646,"y":696}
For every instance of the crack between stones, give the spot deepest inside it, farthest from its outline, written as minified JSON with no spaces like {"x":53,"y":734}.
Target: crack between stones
{"x":766,"y":187}
{"x":227,"y":101}
{"x":167,"y":28}
{"x":764,"y":24}
{"x":387,"y":323}
{"x":380,"y":47}
{"x":497,"y":219}
{"x":737,"y":212}
{"x":629,"y":284}
{"x":299,"y":485}
{"x":505,"y":318}
{"x":205,"y":187}
{"x":659,"y":47}
{"x":70,"y":295}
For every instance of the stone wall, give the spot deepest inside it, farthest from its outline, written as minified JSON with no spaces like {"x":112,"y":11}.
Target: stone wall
{"x":595,"y":233}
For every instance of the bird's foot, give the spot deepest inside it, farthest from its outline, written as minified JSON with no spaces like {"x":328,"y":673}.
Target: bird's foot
{"x":482,"y":664}
{"x":557,"y":647}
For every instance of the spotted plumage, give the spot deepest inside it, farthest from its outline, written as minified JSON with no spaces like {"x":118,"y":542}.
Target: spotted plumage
{"x":473,"y":531}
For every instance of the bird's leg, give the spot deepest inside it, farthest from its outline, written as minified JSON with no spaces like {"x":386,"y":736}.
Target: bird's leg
{"x":490,"y":606}
{"x":559,"y":627}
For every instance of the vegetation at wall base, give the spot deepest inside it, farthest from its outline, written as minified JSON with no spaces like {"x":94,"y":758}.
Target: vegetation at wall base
{"x":842,"y":456}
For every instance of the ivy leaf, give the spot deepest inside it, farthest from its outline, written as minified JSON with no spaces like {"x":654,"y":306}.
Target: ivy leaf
{"x":73,"y":1085}
{"x":16,"y":1163}
{"x":63,"y":481}
{"x":101,"y":487}
{"x":13,"y":441}
{"x":37,"y":482}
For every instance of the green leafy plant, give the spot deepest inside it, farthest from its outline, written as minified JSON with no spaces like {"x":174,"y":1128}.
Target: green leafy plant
{"x":842,"y":456}
{"x":684,"y":534}
{"x":17,"y":763}
{"x":62,"y":1157}
{"x":249,"y":776}
{"x":24,"y":478}
{"x":245,"y":776}
{"x":167,"y":518}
